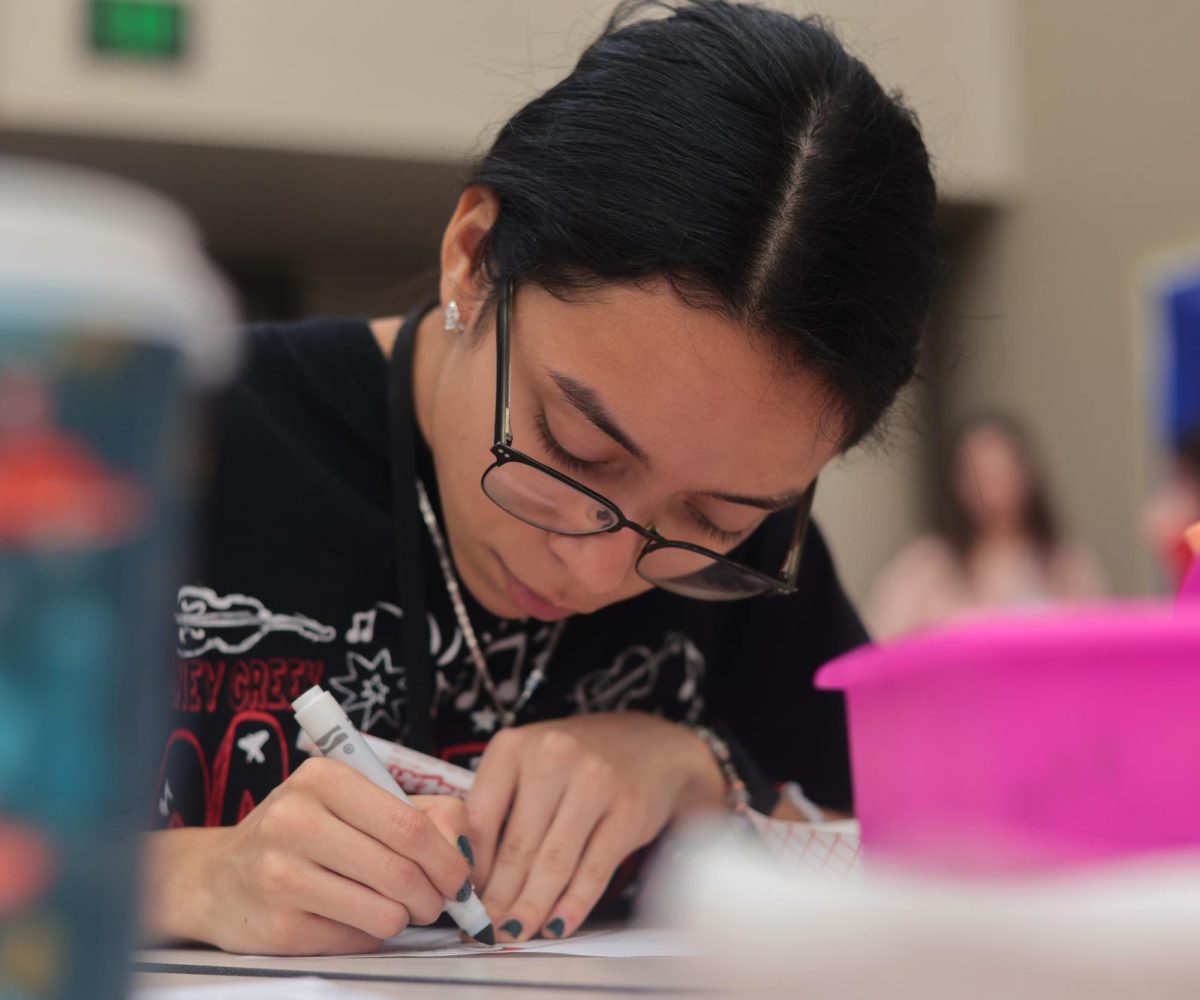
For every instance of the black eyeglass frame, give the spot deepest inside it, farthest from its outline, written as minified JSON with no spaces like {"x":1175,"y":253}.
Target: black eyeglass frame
{"x":503,"y":453}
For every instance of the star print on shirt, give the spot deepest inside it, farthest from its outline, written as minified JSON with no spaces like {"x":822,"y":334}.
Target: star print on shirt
{"x":485,"y":720}
{"x":376,"y":687}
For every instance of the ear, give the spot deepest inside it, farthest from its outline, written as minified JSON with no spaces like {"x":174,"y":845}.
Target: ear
{"x":476,"y":213}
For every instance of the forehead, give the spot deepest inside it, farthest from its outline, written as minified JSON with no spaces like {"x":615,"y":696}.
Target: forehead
{"x":698,"y":392}
{"x":990,"y":443}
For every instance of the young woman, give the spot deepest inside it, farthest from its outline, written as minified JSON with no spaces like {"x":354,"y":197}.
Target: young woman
{"x":510,"y":529}
{"x":999,"y":543}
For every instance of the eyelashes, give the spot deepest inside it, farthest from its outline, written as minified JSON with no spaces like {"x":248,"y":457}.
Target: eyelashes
{"x":575,"y":464}
{"x":720,"y":534}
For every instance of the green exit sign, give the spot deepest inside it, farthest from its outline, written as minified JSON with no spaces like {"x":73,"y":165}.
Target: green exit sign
{"x":137,"y":29}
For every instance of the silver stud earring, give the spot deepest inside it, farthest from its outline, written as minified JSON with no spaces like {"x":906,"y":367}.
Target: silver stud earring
{"x":453,"y":323}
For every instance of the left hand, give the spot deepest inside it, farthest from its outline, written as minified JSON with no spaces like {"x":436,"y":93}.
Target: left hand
{"x":575,"y":797}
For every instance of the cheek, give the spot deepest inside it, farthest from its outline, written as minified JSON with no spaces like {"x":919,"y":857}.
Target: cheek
{"x":1008,"y":486}
{"x":969,"y":488}
{"x":462,"y":429}
{"x":463,"y":415}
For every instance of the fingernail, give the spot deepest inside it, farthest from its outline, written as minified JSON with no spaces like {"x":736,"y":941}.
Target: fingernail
{"x":512,"y":928}
{"x":556,"y":927}
{"x":464,"y":848}
{"x":465,"y":892}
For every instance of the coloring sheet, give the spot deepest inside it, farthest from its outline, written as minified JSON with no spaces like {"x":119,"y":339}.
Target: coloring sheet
{"x":617,"y":942}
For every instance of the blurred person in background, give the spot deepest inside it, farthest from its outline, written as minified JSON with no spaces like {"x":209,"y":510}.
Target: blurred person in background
{"x":1173,"y":508}
{"x":998,"y":543}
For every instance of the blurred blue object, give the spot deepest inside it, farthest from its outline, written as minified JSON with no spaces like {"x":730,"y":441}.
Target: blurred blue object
{"x":1181,"y":312}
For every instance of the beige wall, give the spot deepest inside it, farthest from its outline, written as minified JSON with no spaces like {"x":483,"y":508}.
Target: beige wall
{"x":399,"y":77}
{"x":425,"y":78}
{"x":1071,"y":120}
{"x":1113,"y":180}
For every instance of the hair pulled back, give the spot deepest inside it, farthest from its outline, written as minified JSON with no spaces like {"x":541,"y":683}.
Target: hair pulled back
{"x":959,"y":526}
{"x":742,"y":155}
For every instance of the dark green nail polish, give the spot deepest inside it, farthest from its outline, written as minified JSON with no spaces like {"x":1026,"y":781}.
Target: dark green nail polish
{"x":512,"y":927}
{"x":556,"y":927}
{"x":465,"y":892}
{"x":464,"y":848}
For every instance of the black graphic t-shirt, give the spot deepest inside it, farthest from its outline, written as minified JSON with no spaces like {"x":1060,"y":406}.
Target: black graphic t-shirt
{"x":296,"y":584}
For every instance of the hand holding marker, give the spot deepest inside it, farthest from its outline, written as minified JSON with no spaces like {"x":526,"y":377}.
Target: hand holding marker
{"x":322,"y":718}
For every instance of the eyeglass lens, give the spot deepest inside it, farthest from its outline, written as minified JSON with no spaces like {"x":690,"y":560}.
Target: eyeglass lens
{"x":545,"y":502}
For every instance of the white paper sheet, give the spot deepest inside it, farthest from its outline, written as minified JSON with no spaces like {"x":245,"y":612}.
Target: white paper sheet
{"x":617,"y":942}
{"x":307,"y":988}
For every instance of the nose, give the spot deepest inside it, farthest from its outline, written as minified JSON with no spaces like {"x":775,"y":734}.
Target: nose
{"x":599,"y":564}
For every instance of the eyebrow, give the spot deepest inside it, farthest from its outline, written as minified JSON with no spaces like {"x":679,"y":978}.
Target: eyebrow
{"x":585,"y":400}
{"x":781,"y":502}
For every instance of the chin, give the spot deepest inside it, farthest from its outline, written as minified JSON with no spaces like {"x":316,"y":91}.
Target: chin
{"x":489,"y":591}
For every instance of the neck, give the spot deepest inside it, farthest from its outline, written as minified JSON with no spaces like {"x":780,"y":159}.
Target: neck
{"x":1001,"y":533}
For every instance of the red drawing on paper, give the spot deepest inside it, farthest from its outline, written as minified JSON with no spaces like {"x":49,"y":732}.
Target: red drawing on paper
{"x":422,"y":783}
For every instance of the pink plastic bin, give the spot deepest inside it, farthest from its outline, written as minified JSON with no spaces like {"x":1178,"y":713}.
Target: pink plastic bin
{"x":1029,"y":742}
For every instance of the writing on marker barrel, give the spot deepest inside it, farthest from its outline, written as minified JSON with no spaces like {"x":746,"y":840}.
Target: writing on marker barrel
{"x":322,"y":718}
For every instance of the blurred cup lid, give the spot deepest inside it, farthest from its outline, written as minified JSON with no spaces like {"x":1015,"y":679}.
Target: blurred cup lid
{"x":79,"y":247}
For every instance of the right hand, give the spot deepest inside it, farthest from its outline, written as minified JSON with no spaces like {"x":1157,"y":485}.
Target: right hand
{"x":326,"y":864}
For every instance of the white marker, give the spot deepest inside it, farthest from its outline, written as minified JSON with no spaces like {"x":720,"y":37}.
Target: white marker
{"x":322,"y":718}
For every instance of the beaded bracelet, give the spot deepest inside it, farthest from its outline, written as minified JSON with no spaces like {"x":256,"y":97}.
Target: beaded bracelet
{"x":737,"y":797}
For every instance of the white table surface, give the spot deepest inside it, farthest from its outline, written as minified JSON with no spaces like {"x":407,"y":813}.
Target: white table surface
{"x":546,"y":977}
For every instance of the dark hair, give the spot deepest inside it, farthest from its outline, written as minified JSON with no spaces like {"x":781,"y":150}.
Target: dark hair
{"x":744,"y":156}
{"x":1038,"y":521}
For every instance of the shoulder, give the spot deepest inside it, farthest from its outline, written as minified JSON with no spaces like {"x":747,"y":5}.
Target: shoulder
{"x":277,"y":346}
{"x":316,"y":388}
{"x":923,"y":558}
{"x":385,"y":330}
{"x":917,"y":586}
{"x":312,"y":365}
{"x":819,"y":610}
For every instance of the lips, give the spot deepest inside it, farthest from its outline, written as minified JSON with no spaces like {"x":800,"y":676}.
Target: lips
{"x":530,"y":601}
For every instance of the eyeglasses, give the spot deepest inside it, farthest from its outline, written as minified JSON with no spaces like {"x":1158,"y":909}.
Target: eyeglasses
{"x":548,"y":499}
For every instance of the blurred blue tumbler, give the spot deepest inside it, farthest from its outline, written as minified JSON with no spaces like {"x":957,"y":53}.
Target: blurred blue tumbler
{"x":111,"y":321}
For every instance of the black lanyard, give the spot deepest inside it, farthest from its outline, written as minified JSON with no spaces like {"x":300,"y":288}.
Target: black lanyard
{"x":409,"y":539}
